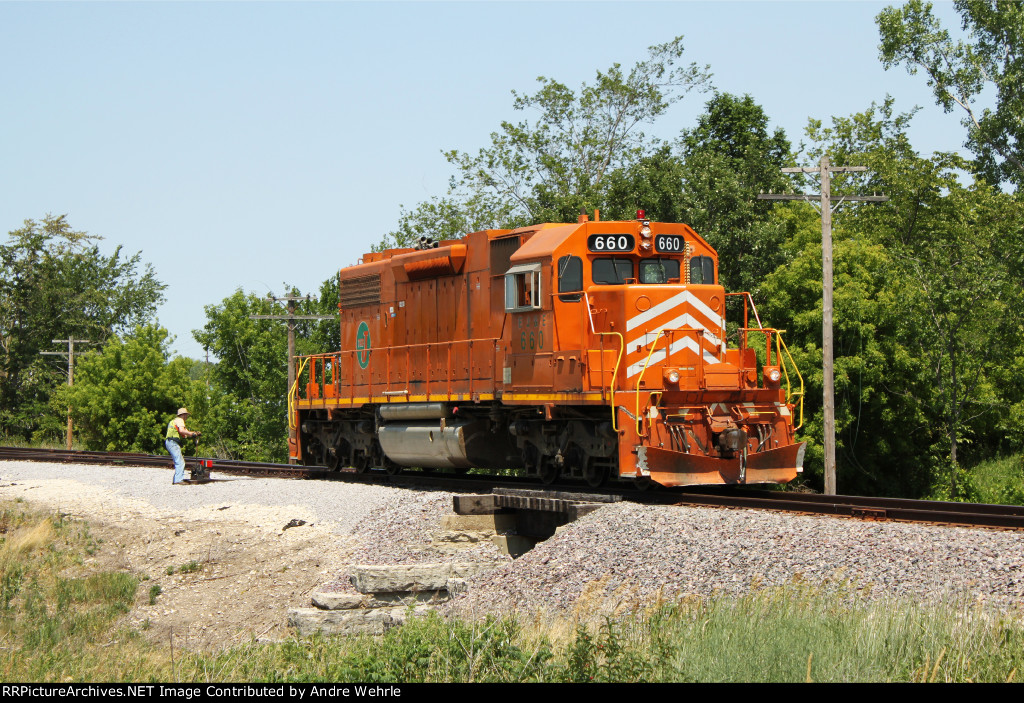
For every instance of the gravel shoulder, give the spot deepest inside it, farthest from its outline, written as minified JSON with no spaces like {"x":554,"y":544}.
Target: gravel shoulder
{"x":253,"y":568}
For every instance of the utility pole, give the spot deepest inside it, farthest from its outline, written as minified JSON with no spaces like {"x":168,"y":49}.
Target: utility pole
{"x":291,"y":317}
{"x":825,"y":170}
{"x":70,"y":354}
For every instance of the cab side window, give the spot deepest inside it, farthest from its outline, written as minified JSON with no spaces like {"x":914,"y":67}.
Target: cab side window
{"x":702,"y":270}
{"x":570,"y":279}
{"x":522,"y":288}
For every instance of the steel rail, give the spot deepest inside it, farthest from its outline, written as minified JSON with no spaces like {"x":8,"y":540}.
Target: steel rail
{"x":865,"y":507}
{"x":138,"y":459}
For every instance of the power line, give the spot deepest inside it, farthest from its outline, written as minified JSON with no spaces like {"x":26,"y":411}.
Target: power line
{"x":70,"y":354}
{"x":291,"y":317}
{"x":825,"y":170}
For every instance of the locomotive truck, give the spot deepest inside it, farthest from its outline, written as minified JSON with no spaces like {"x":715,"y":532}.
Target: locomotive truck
{"x":593,"y":350}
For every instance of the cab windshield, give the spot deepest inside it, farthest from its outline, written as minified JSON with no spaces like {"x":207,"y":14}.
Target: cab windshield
{"x":611,"y":271}
{"x":659,"y":270}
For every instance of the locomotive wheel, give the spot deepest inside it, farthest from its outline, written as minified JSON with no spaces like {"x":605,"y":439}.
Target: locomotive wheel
{"x":361,"y":463}
{"x":392,"y":468}
{"x":332,"y":460}
{"x":312,"y":452}
{"x":548,"y":470}
{"x":538,"y":465}
{"x":594,"y":475}
{"x":642,"y":483}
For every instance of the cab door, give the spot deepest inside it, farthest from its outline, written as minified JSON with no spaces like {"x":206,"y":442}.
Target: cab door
{"x":530,"y":332}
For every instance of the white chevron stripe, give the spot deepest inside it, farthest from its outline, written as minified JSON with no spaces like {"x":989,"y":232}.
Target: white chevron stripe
{"x":686,"y":320}
{"x":659,"y":355}
{"x":673,"y":302}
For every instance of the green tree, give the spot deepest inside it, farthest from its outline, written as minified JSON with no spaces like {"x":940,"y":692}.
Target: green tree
{"x":730,"y":157}
{"x":249,"y":383}
{"x":551,"y":168}
{"x":925,"y":311}
{"x":883,"y":400}
{"x":439,"y":219}
{"x":960,"y":71}
{"x":55,"y":283}
{"x":653,"y":184}
{"x":125,"y":394}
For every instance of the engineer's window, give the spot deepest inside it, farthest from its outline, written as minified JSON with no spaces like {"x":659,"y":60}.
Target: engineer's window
{"x":570,"y":279}
{"x":522,"y":288}
{"x":702,"y":270}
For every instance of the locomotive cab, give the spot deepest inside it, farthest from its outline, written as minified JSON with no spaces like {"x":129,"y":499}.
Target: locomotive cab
{"x":642,"y":303}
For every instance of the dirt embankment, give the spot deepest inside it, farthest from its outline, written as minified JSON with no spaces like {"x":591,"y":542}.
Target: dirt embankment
{"x":217,"y":576}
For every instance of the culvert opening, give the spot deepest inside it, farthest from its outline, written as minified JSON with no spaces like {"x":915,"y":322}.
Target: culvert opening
{"x":522,"y":518}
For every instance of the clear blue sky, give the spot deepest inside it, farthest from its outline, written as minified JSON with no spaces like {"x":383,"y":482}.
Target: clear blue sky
{"x":243,"y":145}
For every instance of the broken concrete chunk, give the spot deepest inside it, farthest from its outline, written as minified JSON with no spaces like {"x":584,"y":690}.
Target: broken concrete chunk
{"x":347,"y":601}
{"x":474,"y":504}
{"x":498,"y":522}
{"x":375,"y":621}
{"x":457,"y":586}
{"x":419,"y":577}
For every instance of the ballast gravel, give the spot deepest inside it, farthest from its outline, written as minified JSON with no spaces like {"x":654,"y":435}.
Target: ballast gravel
{"x":626,"y":554}
{"x":619,"y":556}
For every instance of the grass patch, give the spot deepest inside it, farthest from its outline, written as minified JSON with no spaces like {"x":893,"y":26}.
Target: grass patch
{"x":187,"y":568}
{"x":51,"y":622}
{"x":793,"y":634}
{"x":999,"y":481}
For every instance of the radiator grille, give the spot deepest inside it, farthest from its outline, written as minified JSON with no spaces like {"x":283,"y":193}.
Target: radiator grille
{"x":362,"y":290}
{"x":501,"y":252}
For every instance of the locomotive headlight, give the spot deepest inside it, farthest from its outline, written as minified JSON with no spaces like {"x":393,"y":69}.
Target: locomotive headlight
{"x":772,"y":376}
{"x":645,"y":232}
{"x":645,"y":246}
{"x":672,"y":376}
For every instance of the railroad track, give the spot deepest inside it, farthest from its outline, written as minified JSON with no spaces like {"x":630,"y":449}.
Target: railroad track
{"x":65,"y":456}
{"x":862,"y":507}
{"x":869,"y":508}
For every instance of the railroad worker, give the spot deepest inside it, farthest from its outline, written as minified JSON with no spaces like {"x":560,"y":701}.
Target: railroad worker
{"x":175,"y":438}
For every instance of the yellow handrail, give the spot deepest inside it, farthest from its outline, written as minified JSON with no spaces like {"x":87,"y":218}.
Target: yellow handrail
{"x":615,"y":373}
{"x":294,"y":391}
{"x":618,"y":361}
{"x":779,"y":346}
{"x":654,"y":345}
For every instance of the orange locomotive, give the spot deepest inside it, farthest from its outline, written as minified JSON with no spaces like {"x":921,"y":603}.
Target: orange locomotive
{"x":591,"y":350}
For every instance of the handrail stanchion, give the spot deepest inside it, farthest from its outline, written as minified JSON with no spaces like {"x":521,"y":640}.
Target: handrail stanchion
{"x":615,"y":372}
